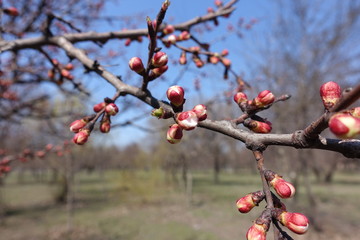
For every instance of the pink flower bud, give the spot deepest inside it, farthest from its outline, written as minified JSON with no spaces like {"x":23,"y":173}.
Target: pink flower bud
{"x":136,"y":65}
{"x":48,"y":147}
{"x":184,"y":35}
{"x":226,"y":62}
{"x":182,"y":59}
{"x":105,"y":126}
{"x":51,"y":74}
{"x":187,"y":120}
{"x":257,"y":126}
{"x":218,"y":3}
{"x":296,"y":222}
{"x":111,"y":109}
{"x":214,"y":59}
{"x":40,"y":154}
{"x":159,"y":59}
{"x":172,"y":39}
{"x":100,"y":106}
{"x":210,"y":10}
{"x":175,"y":94}
{"x":256,"y":232}
{"x":330,"y":93}
{"x":11,"y":11}
{"x":224,"y":52}
{"x":168,"y":29}
{"x":174,"y":134}
{"x":264,"y":98}
{"x":344,"y":125}
{"x":240,"y":97}
{"x":200,"y":111}
{"x":156,"y":72}
{"x":66,"y":74}
{"x":76,"y":125}
{"x":69,"y":66}
{"x":245,"y":204}
{"x":283,"y":188}
{"x":81,"y":137}
{"x":198,"y":62}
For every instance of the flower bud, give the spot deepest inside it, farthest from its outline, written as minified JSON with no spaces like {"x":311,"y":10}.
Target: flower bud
{"x":159,"y":59}
{"x":137,"y":65}
{"x":100,"y":106}
{"x":76,"y":125}
{"x":11,"y":11}
{"x":174,"y":134}
{"x":246,"y":203}
{"x":296,"y":222}
{"x":200,"y":111}
{"x":182,"y":59}
{"x":161,"y":113}
{"x":257,"y":126}
{"x":283,"y":188}
{"x":344,"y":125}
{"x":330,"y":93}
{"x":264,"y":98}
{"x":175,"y":94}
{"x":214,"y":59}
{"x":226,"y":62}
{"x":184,"y":35}
{"x":66,"y":74}
{"x":81,"y":137}
{"x":240,"y":97}
{"x":48,"y":147}
{"x":224,"y":52}
{"x":198,"y":62}
{"x":168,"y":29}
{"x":51,"y":74}
{"x":256,"y":232}
{"x":69,"y":66}
{"x":172,"y":39}
{"x":111,"y":109}
{"x":40,"y":154}
{"x":105,"y":125}
{"x":187,"y":120}
{"x":218,"y":3}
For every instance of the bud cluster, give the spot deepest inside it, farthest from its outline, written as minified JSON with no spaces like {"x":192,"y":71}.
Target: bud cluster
{"x":63,"y":70}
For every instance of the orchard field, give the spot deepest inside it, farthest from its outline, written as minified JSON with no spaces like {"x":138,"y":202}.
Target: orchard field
{"x":109,"y":206}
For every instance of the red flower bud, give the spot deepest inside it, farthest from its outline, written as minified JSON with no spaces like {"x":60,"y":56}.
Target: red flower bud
{"x":51,"y":74}
{"x":226,"y":62}
{"x":136,"y":65}
{"x":69,"y":66}
{"x":182,"y":59}
{"x":210,"y":10}
{"x":283,"y":188}
{"x":105,"y":126}
{"x":330,"y":93}
{"x":168,"y":29}
{"x":111,"y":109}
{"x":246,"y":203}
{"x":184,"y":35}
{"x":11,"y":11}
{"x":214,"y":59}
{"x":200,"y":111}
{"x":172,"y":39}
{"x":198,"y":62}
{"x":344,"y":125}
{"x":48,"y":147}
{"x":296,"y":222}
{"x":257,"y":126}
{"x":256,"y":232}
{"x":40,"y":154}
{"x":156,"y":72}
{"x":224,"y":52}
{"x":76,"y":125}
{"x":240,"y":97}
{"x":187,"y":120}
{"x":264,"y":98}
{"x":81,"y":137}
{"x":66,"y":74}
{"x":174,"y":134}
{"x":175,"y":94}
{"x":159,"y":59}
{"x":100,"y":106}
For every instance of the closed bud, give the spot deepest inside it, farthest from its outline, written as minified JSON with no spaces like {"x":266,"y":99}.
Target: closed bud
{"x":257,"y":126}
{"x":168,"y":29}
{"x":159,"y":59}
{"x":182,"y":59}
{"x":198,"y":62}
{"x":296,"y":222}
{"x":226,"y":62}
{"x":184,"y":35}
{"x":156,"y":72}
{"x":66,"y":74}
{"x":344,"y":125}
{"x":214,"y":59}
{"x":127,"y":42}
{"x":210,"y":10}
{"x":11,"y":11}
{"x":111,"y":109}
{"x":77,"y":125}
{"x":172,"y":39}
{"x":137,"y":65}
{"x":51,"y":74}
{"x":218,"y":3}
{"x":175,"y":94}
{"x":105,"y":124}
{"x":224,"y":52}
{"x":81,"y":137}
{"x":69,"y":66}
{"x":264,"y":98}
{"x":174,"y":134}
{"x":200,"y":111}
{"x":283,"y":188}
{"x":40,"y":154}
{"x":187,"y":120}
{"x":256,"y":232}
{"x":100,"y":106}
{"x":240,"y":97}
{"x":330,"y":93}
{"x":246,"y":203}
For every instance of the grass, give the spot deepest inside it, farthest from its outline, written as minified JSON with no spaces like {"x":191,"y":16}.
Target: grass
{"x":139,"y":205}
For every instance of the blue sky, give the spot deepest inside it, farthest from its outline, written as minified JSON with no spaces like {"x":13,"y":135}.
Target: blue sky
{"x":179,"y":11}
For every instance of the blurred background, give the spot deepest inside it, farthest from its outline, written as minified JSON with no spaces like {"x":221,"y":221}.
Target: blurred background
{"x":131,"y":183}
